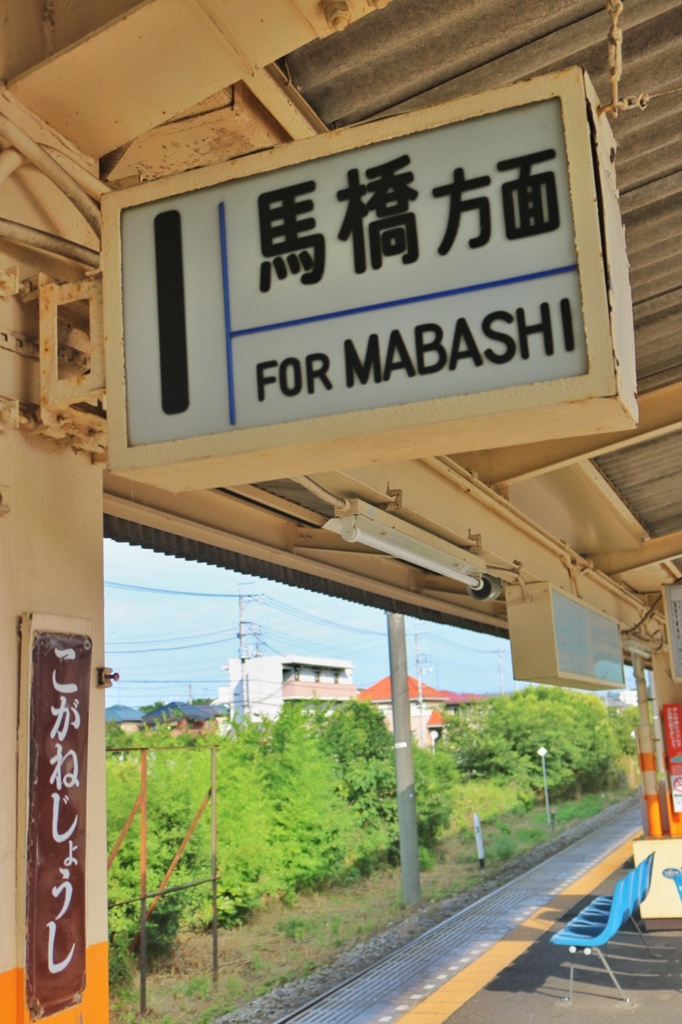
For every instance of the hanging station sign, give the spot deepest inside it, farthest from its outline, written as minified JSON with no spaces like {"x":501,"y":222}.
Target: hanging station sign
{"x":56,"y":714}
{"x":448,"y":279}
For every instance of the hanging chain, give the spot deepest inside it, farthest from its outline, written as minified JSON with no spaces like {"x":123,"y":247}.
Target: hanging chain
{"x":615,"y":8}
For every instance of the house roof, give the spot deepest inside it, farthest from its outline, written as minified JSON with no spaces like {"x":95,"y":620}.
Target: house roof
{"x":381,"y":691}
{"x":174,"y":711}
{"x":312,"y":661}
{"x":463,"y":698}
{"x":121,"y":713}
{"x":436,"y":720}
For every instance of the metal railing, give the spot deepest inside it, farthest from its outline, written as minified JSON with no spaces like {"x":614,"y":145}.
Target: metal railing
{"x":140,"y":806}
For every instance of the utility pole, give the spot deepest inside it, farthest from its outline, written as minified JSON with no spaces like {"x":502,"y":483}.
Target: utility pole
{"x":404,"y":768}
{"x":242,"y":657}
{"x":499,"y":665}
{"x":420,"y":691}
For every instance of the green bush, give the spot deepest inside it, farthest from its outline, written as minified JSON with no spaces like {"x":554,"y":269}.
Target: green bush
{"x":501,"y":737}
{"x":310,"y":799}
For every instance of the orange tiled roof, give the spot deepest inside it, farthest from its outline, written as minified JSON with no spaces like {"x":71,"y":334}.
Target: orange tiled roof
{"x":381,"y":691}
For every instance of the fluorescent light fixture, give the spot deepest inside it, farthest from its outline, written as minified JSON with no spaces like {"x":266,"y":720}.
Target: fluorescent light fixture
{"x":364,"y":524}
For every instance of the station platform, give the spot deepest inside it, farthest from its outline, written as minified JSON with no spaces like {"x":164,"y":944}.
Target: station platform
{"x":493,"y":963}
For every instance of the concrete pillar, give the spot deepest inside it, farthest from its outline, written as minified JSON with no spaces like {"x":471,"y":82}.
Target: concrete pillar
{"x":50,"y":566}
{"x":647,"y":758}
{"x":404,"y":769}
{"x":667,"y":692}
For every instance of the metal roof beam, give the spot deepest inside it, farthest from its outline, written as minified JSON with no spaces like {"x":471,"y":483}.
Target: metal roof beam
{"x":173,"y":53}
{"x":660,"y":413}
{"x":659,"y":549}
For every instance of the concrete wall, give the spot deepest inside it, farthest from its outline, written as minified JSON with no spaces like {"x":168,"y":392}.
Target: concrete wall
{"x":50,"y":564}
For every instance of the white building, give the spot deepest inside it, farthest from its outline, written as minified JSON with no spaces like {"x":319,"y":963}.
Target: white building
{"x":259,"y":686}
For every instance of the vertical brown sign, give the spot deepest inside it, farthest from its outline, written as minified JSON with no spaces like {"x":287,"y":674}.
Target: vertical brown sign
{"x":55,"y":890}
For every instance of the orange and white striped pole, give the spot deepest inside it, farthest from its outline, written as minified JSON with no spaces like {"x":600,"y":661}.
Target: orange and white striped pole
{"x":665,"y":692}
{"x":647,"y":757}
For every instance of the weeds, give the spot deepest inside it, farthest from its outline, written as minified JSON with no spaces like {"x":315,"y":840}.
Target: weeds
{"x":279,"y":943}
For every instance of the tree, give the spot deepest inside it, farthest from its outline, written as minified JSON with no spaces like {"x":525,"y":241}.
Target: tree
{"x":313,"y":827}
{"x":356,"y":737}
{"x":502,"y":736}
{"x":623,"y":722}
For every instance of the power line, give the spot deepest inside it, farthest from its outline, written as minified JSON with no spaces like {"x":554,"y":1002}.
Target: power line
{"x":169,"y":648}
{"x":462,"y":647}
{"x":163,"y":639}
{"x":330,"y":623}
{"x":162,"y":590}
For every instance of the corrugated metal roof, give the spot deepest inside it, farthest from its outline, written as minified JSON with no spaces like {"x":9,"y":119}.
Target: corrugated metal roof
{"x":418,"y":52}
{"x":294,"y":492}
{"x":648,"y":478}
{"x":165,"y":542}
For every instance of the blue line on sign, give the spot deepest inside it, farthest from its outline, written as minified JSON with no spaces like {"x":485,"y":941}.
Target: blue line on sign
{"x":405,"y":302}
{"x":226,"y":305}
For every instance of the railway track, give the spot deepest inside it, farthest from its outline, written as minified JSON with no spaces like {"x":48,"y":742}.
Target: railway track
{"x":384,"y":991}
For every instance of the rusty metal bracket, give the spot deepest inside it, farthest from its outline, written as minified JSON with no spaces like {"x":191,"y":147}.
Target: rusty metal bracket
{"x":9,"y":281}
{"x":71,"y":344}
{"x":9,"y":413}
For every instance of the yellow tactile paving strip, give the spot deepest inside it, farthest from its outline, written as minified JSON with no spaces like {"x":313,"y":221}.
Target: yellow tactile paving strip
{"x":447,"y":999}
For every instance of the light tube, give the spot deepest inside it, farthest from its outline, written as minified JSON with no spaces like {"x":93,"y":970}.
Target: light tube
{"x":369,"y":526}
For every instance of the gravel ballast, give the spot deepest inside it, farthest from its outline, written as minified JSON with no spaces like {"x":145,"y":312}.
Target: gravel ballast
{"x":288,"y":998}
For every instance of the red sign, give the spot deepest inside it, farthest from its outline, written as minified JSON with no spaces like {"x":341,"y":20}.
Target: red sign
{"x":672,"y":724}
{"x":55,"y":891}
{"x":672,"y":728}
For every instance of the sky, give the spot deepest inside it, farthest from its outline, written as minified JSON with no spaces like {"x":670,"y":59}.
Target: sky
{"x":171,"y":625}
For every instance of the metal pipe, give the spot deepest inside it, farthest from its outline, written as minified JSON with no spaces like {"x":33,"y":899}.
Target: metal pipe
{"x":340,"y":504}
{"x":445,"y":467}
{"x":35,"y":153}
{"x":124,"y":831}
{"x":176,"y":859}
{"x":37,"y":239}
{"x":10,"y":160}
{"x":159,"y":892}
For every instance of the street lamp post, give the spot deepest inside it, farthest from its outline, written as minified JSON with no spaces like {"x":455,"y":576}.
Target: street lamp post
{"x":543,"y":752}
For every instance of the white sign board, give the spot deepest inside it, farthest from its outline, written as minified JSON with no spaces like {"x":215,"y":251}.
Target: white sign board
{"x":435,"y":264}
{"x":438,"y":264}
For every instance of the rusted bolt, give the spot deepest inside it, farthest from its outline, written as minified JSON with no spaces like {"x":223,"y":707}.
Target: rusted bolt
{"x":337,"y":14}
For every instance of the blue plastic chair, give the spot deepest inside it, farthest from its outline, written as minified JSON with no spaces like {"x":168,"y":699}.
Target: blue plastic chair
{"x":604,"y":917}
